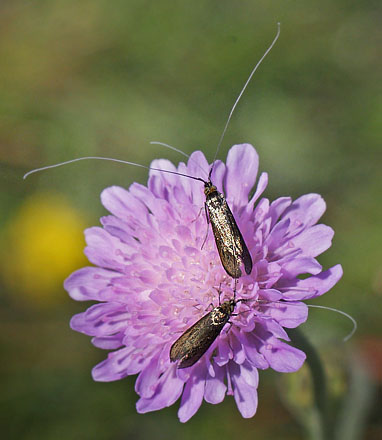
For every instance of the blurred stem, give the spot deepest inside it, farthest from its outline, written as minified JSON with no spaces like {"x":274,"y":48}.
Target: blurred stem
{"x":356,"y":404}
{"x":319,"y":430}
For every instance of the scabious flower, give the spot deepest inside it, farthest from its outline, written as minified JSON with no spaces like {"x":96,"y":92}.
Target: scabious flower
{"x":152,"y":281}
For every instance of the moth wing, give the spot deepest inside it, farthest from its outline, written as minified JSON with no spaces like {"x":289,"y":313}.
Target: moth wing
{"x":231,"y":253}
{"x":195,"y":341}
{"x":227,"y":257}
{"x":239,"y":243}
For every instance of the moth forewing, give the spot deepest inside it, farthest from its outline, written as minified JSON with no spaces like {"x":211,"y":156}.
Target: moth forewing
{"x":230,"y":243}
{"x":197,"y":339}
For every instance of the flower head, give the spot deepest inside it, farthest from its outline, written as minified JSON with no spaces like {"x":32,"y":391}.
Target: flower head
{"x":152,"y":281}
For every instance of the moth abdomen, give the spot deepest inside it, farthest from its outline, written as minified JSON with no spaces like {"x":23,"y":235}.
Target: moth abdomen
{"x":197,"y":339}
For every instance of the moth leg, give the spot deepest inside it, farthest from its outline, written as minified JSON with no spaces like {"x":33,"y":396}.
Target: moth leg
{"x":210,"y":305}
{"x":220,"y":292}
{"x":200,"y":211}
{"x":206,"y":213}
{"x":208,"y":222}
{"x":234,"y":289}
{"x":196,"y":307}
{"x":230,"y":325}
{"x":240,"y":313}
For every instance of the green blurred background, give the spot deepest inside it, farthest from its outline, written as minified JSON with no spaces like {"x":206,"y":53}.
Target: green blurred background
{"x":95,"y":77}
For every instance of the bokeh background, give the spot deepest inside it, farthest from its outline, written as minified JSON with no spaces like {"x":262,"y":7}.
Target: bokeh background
{"x":95,"y":77}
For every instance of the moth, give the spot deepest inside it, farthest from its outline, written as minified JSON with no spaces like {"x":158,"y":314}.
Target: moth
{"x":197,"y":339}
{"x":229,"y":241}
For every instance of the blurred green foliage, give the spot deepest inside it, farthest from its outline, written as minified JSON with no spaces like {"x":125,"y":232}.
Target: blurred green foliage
{"x":104,"y":78}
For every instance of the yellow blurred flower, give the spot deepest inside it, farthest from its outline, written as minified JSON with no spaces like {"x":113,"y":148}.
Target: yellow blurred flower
{"x":43,"y":243}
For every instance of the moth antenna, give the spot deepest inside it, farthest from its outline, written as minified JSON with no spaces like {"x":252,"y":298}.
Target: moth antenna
{"x":354,"y":322}
{"x":178,"y":151}
{"x":170,"y":147}
{"x":346,"y":338}
{"x":111,"y":160}
{"x":234,"y":289}
{"x":219,"y":293}
{"x":241,"y":93}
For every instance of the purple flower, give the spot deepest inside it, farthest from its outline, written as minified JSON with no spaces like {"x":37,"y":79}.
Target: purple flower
{"x":152,"y":281}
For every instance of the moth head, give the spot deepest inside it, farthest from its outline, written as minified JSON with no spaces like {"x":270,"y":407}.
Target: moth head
{"x":228,"y":307}
{"x":209,"y":188}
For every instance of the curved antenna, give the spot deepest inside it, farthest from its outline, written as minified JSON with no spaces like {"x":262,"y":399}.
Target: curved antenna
{"x":170,"y":147}
{"x":332,"y":309}
{"x":36,"y":170}
{"x":241,"y":93}
{"x":346,"y":338}
{"x":178,"y":151}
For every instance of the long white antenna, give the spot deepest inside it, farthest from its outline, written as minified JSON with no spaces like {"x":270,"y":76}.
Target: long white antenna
{"x":341,"y":313}
{"x":36,"y":170}
{"x":288,"y":303}
{"x":178,"y":151}
{"x":170,"y":147}
{"x":241,"y":93}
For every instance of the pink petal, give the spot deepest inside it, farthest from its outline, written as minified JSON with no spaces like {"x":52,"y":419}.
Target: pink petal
{"x":253,"y":355}
{"x":282,"y":357}
{"x":147,"y":380}
{"x":167,"y":392}
{"x":218,"y":174}
{"x":144,"y":195}
{"x":101,"y":319}
{"x":272,"y":326}
{"x":250,"y":374}
{"x":237,"y":348}
{"x":261,"y":185}
{"x":289,"y":315}
{"x":215,"y":389}
{"x":109,"y":342}
{"x":198,"y":165}
{"x":87,"y":283}
{"x":277,"y":208}
{"x":314,"y":240}
{"x":193,"y":393}
{"x":313,"y":286}
{"x":245,"y":395}
{"x":301,"y":265}
{"x":122,"y":204}
{"x":275,"y":239}
{"x":119,"y":229}
{"x":104,"y":250}
{"x":192,"y":188}
{"x":114,"y":367}
{"x":242,"y":165}
{"x":305,"y":211}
